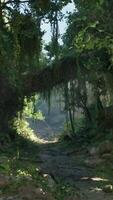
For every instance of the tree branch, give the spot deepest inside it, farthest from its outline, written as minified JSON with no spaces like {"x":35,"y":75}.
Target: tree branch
{"x":50,"y":77}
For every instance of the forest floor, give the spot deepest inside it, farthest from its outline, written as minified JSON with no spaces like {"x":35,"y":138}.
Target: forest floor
{"x":89,"y":174}
{"x":49,"y":171}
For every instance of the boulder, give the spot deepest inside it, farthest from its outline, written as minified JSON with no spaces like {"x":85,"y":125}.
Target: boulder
{"x":74,"y":197}
{"x":93,"y":151}
{"x":107,"y":156}
{"x":3,"y":159}
{"x":30,"y":192}
{"x":94,"y":161}
{"x":51,"y":183}
{"x":108,"y":188}
{"x":4,"y":180}
{"x":11,"y":198}
{"x":105,"y":147}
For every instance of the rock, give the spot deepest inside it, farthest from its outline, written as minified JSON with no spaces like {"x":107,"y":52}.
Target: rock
{"x":30,"y":192}
{"x":3,"y":159}
{"x":27,"y":178}
{"x":108,"y":188}
{"x":50,"y":181}
{"x":27,"y":192}
{"x":73,"y":197}
{"x":105,"y":147}
{"x":107,"y":156}
{"x":11,"y":198}
{"x":93,"y":162}
{"x":93,"y":151}
{"x":42,"y":194}
{"x":4,"y":180}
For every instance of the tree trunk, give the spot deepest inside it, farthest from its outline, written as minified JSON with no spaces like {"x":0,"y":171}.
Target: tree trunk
{"x":10,"y":103}
{"x":72,"y":122}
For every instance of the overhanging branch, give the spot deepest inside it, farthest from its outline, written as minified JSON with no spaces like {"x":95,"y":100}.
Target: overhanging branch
{"x":49,"y":78}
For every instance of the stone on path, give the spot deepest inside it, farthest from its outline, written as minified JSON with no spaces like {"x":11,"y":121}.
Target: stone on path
{"x":108,"y":188}
{"x":93,"y":151}
{"x":93,"y":161}
{"x":30,"y":192}
{"x":4,"y":180}
{"x":105,"y":147}
{"x":51,"y":183}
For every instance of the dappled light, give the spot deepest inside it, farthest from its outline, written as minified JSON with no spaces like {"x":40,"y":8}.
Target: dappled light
{"x":98,"y":179}
{"x":96,"y":189}
{"x":56,"y":100}
{"x":94,"y":179}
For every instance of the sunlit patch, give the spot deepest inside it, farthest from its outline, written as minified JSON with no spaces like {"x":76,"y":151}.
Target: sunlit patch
{"x":42,"y":141}
{"x":94,"y":178}
{"x":45,"y":175}
{"x":96,"y":189}
{"x":85,"y":178}
{"x":23,"y":173}
{"x":37,"y":170}
{"x":99,"y":179}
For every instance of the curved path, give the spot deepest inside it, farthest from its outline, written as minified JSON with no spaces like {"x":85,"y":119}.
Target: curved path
{"x":67,"y":167}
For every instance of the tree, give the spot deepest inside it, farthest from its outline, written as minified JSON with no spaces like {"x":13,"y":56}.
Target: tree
{"x":20,"y":50}
{"x":84,"y":59}
{"x":89,"y":36}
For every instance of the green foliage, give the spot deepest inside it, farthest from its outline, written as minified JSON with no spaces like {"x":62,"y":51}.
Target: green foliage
{"x":89,"y":35}
{"x":79,"y":126}
{"x":23,"y":129}
{"x":88,"y":39}
{"x":30,"y":108}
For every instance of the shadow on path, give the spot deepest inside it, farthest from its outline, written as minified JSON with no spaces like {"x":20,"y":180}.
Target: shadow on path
{"x":68,"y":167}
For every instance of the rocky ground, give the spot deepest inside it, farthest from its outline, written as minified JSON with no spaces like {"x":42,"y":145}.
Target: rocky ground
{"x":88,"y":170}
{"x":59,"y":172}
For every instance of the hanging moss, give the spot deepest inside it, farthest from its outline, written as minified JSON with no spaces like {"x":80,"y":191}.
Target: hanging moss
{"x":49,"y":77}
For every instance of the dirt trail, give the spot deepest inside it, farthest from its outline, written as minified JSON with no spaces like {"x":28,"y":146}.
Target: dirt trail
{"x":67,"y":167}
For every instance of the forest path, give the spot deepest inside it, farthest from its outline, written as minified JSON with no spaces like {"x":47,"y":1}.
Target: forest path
{"x":68,"y":167}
